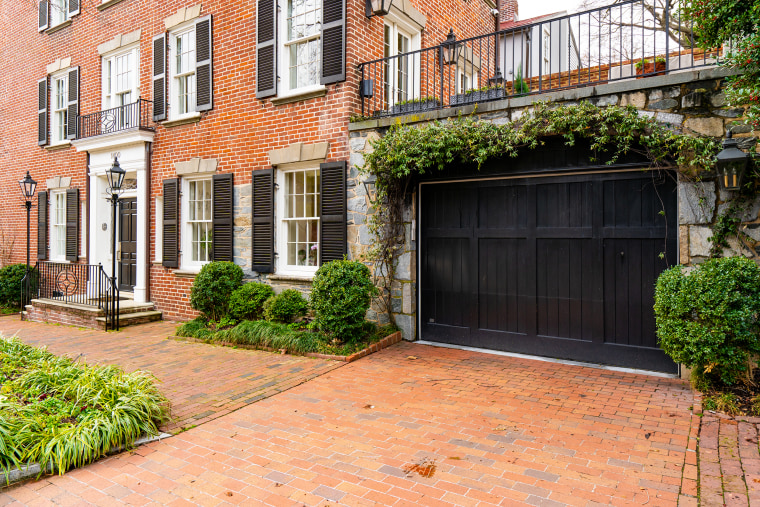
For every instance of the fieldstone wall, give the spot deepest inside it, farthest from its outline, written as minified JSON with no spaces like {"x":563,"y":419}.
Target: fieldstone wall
{"x":689,"y":102}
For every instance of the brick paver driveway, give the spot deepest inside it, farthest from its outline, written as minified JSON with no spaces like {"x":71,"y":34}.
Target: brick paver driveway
{"x":202,"y":381}
{"x":417,"y":425}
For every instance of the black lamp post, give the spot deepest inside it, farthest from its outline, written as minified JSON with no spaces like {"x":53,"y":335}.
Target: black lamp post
{"x":115,"y":179}
{"x":731,"y":163}
{"x":28,"y":187}
{"x":378,"y":7}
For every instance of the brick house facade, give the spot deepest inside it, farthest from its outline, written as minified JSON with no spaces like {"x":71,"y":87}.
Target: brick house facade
{"x":248,"y":96}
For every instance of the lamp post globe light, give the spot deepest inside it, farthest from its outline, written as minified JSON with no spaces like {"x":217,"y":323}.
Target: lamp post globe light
{"x":115,"y":179}
{"x":28,"y":187}
{"x":731,"y":163}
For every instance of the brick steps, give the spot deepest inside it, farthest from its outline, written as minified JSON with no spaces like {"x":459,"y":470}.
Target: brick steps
{"x":132,"y":318}
{"x":72,"y":314}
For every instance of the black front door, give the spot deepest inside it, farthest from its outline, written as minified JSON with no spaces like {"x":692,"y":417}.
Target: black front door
{"x":127,"y":244}
{"x":555,"y":266}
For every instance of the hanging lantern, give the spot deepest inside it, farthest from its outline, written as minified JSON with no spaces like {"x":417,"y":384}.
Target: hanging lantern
{"x":731,"y":163}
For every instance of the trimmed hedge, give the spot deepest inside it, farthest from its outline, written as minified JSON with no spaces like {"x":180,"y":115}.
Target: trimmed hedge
{"x":213,"y":287}
{"x":247,"y":302}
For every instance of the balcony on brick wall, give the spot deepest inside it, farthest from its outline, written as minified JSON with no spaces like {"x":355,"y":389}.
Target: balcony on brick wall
{"x":135,"y":116}
{"x":617,"y":42}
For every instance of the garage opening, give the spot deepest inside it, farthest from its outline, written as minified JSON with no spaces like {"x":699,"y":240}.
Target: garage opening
{"x":557,"y":266}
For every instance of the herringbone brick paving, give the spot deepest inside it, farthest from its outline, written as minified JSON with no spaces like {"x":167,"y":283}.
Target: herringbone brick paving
{"x":416,"y":425}
{"x":202,"y":382}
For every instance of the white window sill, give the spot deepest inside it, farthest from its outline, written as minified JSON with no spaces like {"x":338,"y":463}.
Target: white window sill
{"x":59,"y":26}
{"x":292,"y":276}
{"x":107,"y":4}
{"x":300,"y":94}
{"x":182,"y":120}
{"x":58,"y":146}
{"x":186,"y":272}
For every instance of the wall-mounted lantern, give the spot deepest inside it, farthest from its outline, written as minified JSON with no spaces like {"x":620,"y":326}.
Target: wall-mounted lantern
{"x":731,"y":163}
{"x":450,"y":48}
{"x":370,"y":186}
{"x":378,"y":7}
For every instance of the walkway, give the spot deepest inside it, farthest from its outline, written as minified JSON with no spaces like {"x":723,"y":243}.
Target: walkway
{"x":202,"y":381}
{"x":417,"y":425}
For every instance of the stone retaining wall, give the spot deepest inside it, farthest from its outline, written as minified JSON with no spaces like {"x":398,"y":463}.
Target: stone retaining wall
{"x":690,"y":102}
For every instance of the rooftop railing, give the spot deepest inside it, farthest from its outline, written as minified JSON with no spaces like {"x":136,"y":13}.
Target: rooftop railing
{"x":626,"y":40}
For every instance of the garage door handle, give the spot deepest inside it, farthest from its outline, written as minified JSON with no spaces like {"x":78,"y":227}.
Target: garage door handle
{"x":622,"y":254}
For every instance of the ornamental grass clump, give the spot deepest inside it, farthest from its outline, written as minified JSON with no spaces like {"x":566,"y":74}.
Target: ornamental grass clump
{"x":707,"y":318}
{"x":55,"y":411}
{"x":271,"y":335}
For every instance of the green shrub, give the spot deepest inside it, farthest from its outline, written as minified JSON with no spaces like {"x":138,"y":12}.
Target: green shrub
{"x":213,"y":287}
{"x":10,"y":284}
{"x":272,"y":335}
{"x":196,"y":328}
{"x":340,"y":297}
{"x":285,"y":306}
{"x":707,"y":318}
{"x":247,"y":302}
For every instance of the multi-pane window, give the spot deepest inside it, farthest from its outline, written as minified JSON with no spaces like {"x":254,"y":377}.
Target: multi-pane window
{"x":121,"y":86}
{"x":59,"y":100}
{"x":184,"y":72}
{"x":398,"y":80}
{"x":302,"y":44}
{"x":199,"y":220}
{"x":59,"y":11}
{"x":301,"y":218}
{"x":58,"y":226}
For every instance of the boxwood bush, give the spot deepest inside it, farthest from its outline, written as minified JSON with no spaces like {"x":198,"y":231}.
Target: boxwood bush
{"x":340,"y":297}
{"x":247,"y":302}
{"x":707,"y":317}
{"x":213,"y":287}
{"x":10,"y":284}
{"x":285,"y":306}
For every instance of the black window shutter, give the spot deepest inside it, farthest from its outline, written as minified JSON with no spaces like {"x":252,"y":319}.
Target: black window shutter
{"x":73,"y":112}
{"x":159,"y":77}
{"x":204,"y":96}
{"x":263,"y":220}
{"x":332,"y":211}
{"x":171,"y":223}
{"x":266,"y":49}
{"x":73,"y":7}
{"x":222,"y":217}
{"x":44,"y":10}
{"x":72,"y":224}
{"x":42,"y":112}
{"x":333,"y":41}
{"x":42,"y":224}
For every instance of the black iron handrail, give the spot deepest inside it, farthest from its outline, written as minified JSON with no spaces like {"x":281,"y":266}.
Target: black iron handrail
{"x":81,"y":284}
{"x":137,"y":115}
{"x":620,"y":41}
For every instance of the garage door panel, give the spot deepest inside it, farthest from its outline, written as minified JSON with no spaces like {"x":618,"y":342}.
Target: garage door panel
{"x":502,"y":283}
{"x":636,"y":203}
{"x":564,"y":205}
{"x":502,"y":206}
{"x":446,"y":274}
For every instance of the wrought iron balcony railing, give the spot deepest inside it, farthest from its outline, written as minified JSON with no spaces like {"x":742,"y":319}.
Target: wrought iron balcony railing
{"x":626,"y":40}
{"x":137,"y":115}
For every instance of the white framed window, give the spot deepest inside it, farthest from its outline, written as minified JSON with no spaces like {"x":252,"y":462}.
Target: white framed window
{"x":298,"y":220}
{"x":399,"y":80}
{"x":58,"y":225}
{"x":59,"y":96}
{"x":468,"y":78}
{"x":121,"y":78}
{"x":197,"y":210}
{"x":300,"y":48}
{"x":59,"y":11}
{"x":182,"y":101}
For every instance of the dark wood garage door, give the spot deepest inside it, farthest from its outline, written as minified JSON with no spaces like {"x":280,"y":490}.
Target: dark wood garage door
{"x":561,"y":267}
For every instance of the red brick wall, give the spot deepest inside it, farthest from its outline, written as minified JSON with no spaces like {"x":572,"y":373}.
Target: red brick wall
{"x":508,"y":10}
{"x":239,"y":131}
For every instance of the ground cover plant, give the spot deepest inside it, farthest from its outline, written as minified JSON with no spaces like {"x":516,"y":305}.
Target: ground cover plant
{"x":63,"y":413}
{"x":331,"y":322}
{"x":708,"y":319}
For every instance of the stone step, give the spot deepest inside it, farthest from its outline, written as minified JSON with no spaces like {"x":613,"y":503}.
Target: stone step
{"x":132,"y":319}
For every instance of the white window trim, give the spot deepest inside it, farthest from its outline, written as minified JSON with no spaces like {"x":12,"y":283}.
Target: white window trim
{"x":158,"y":235}
{"x":173,"y":102}
{"x":55,"y":9}
{"x":55,"y":255}
{"x":185,"y":236}
{"x":413,"y":33}
{"x":52,"y":114}
{"x":83,"y":228}
{"x":111,"y":57}
{"x":283,"y":56}
{"x":281,"y":237}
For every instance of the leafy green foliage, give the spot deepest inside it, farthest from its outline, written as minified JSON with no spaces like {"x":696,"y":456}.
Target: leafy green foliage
{"x":54,"y":410}
{"x":285,"y":306}
{"x":260,"y":333}
{"x":340,"y":297}
{"x":196,"y":328}
{"x":10,"y":284}
{"x":213,"y":287}
{"x":247,"y":302}
{"x":521,"y":86}
{"x":738,"y":21}
{"x":707,"y":318}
